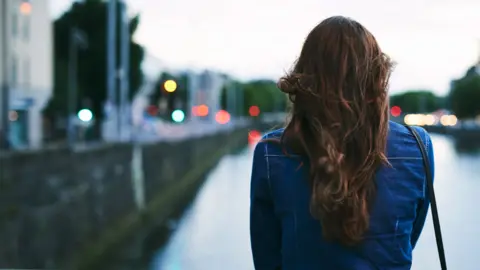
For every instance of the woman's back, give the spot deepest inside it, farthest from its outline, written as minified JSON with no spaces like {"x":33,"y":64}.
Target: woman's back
{"x":340,"y":187}
{"x":285,"y":234}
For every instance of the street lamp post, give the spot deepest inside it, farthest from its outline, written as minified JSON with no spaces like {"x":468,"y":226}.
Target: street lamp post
{"x":240,"y":98}
{"x":477,"y":65}
{"x":230,"y":97}
{"x":111,"y":49}
{"x":125,"y":74}
{"x":78,"y":41}
{"x":192,"y":94}
{"x":5,"y":94}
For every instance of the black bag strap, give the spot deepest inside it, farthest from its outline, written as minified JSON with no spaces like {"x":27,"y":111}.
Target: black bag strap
{"x":433,"y":202}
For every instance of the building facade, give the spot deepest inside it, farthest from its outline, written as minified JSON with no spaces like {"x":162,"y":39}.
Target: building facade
{"x":28,"y":61}
{"x":205,"y":88}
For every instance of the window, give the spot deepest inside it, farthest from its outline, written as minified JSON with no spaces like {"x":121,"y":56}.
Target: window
{"x":26,"y":72}
{"x":14,"y":24}
{"x":14,"y":71}
{"x":26,"y":28}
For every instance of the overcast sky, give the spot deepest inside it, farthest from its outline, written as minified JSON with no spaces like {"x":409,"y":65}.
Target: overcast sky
{"x":432,"y":41}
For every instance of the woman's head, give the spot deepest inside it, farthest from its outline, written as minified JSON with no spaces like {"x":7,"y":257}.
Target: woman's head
{"x":339,"y":120}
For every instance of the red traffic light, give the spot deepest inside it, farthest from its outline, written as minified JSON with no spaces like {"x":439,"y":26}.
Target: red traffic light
{"x":152,"y":110}
{"x":395,"y":111}
{"x":200,"y":110}
{"x":254,"y":111}
{"x":222,"y":117}
{"x":254,"y":137}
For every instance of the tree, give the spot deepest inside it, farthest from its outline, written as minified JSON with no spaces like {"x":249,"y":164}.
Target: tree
{"x":417,"y":101}
{"x":261,"y":93}
{"x":465,"y":95}
{"x":233,"y":88}
{"x":265,"y":95}
{"x":89,"y":16}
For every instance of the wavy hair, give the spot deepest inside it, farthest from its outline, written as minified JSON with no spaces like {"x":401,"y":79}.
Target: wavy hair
{"x":339,"y":120}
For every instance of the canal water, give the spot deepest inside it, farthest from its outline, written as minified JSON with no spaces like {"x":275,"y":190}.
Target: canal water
{"x":214,"y":233}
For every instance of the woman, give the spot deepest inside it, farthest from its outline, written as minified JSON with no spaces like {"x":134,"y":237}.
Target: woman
{"x":341,"y":187}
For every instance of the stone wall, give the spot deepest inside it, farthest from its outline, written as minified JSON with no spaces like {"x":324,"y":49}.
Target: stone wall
{"x":54,"y":201}
{"x":62,"y":208}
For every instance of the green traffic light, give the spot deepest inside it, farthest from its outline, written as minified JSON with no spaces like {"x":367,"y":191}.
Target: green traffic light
{"x":178,"y":116}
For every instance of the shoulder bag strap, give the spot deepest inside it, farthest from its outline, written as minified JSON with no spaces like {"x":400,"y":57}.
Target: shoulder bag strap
{"x":433,"y":202}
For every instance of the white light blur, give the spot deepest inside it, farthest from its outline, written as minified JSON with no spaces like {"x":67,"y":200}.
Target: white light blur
{"x":85,"y":115}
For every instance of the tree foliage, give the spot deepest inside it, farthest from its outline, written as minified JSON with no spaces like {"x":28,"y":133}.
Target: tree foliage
{"x":261,"y":93}
{"x":89,"y":16}
{"x":264,"y":94}
{"x":465,"y":95}
{"x":234,"y":88}
{"x":417,"y":101}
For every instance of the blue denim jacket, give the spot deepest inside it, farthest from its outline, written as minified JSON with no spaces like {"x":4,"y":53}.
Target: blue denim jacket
{"x":284,"y":234}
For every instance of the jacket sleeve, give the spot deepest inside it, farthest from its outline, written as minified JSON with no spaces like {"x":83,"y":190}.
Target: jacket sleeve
{"x":265,"y":227}
{"x":424,"y":204}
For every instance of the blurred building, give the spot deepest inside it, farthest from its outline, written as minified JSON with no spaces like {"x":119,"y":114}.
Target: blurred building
{"x":205,"y":90}
{"x":152,"y":67}
{"x":29,"y":64}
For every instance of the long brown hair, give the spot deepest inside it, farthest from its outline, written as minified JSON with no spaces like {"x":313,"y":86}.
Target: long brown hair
{"x":339,"y":121}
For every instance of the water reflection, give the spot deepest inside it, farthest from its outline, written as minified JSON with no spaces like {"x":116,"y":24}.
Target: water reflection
{"x":471,"y":147}
{"x":214,"y":233}
{"x":457,"y":185}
